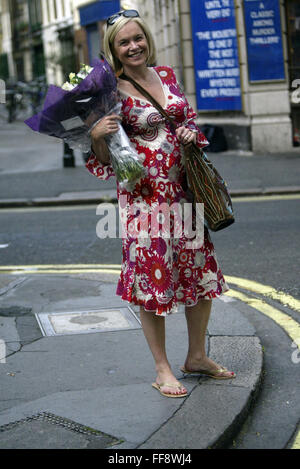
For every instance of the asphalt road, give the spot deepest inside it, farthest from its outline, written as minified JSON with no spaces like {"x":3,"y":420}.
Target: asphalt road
{"x":263,"y":244}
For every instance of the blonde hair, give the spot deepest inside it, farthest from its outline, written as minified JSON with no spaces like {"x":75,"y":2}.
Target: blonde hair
{"x":109,"y":37}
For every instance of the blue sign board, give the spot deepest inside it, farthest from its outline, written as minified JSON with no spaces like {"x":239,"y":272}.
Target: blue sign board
{"x":216,"y":62}
{"x":98,"y":11}
{"x":264,"y":41}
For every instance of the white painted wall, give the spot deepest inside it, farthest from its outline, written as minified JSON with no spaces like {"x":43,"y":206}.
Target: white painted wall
{"x":51,"y":23}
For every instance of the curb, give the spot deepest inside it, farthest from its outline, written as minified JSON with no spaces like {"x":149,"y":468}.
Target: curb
{"x":280,"y":190}
{"x":210,"y":417}
{"x":111,"y":197}
{"x":201,"y":431}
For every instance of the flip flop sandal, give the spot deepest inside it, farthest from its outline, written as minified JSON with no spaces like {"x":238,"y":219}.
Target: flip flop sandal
{"x":178,"y":386}
{"x":216,"y":374}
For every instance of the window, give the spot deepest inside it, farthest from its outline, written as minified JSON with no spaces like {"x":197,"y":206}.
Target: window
{"x":55,"y":9}
{"x":35,"y":14}
{"x":48,"y":11}
{"x":93,"y":38}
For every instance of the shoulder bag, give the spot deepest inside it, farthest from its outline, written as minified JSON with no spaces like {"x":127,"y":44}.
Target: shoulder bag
{"x":204,"y":181}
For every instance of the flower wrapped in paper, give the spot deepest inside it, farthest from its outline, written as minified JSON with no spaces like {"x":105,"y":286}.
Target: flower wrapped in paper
{"x":70,"y":113}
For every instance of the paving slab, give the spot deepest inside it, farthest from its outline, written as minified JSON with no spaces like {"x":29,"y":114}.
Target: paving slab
{"x":226,"y":319}
{"x":215,"y":409}
{"x":103,"y":380}
{"x":202,"y":420}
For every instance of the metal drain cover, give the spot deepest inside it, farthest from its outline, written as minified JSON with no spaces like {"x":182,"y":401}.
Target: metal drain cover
{"x":84,"y":322}
{"x":49,"y":431}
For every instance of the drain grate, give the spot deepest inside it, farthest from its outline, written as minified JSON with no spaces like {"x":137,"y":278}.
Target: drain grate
{"x":41,"y":436}
{"x":84,"y":322}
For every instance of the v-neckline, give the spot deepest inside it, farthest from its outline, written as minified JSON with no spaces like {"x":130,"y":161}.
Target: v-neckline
{"x":144,"y":98}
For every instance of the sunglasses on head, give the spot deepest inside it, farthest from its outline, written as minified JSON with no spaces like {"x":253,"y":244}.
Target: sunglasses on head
{"x":126,"y":13}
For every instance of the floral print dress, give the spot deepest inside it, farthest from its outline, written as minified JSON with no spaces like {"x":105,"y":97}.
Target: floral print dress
{"x":159,"y":272}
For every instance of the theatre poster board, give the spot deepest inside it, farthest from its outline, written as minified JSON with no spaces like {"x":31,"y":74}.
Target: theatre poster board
{"x":264,"y":40}
{"x":216,"y":58}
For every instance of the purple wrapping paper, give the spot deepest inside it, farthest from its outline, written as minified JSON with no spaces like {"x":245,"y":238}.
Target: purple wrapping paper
{"x":69,"y":114}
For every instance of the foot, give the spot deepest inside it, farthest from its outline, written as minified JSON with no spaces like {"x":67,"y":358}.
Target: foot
{"x":168,"y":384}
{"x":207,"y":366}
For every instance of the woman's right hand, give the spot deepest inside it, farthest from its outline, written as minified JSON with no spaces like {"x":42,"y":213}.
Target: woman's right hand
{"x":107,"y":126}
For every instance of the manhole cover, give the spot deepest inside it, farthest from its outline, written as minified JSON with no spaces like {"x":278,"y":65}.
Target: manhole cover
{"x":49,"y":431}
{"x":83,"y":322}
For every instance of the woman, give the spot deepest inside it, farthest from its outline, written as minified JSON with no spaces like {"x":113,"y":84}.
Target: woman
{"x":158,"y":273}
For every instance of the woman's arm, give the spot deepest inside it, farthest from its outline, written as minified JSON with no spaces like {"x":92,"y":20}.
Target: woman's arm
{"x":100,"y":150}
{"x":107,"y":126}
{"x":189,"y":131}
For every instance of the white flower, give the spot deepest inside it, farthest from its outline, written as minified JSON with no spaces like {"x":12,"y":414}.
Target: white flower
{"x":67,"y":86}
{"x":87,"y":69}
{"x":75,"y":79}
{"x":81,"y":74}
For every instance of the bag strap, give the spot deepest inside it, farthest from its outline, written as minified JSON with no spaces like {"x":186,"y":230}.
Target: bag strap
{"x":149,"y":97}
{"x":155,"y":104}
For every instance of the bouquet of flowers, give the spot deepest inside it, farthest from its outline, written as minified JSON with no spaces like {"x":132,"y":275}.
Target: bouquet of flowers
{"x":71,"y":112}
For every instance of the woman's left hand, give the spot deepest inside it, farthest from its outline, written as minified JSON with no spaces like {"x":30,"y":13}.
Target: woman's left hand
{"x":185,"y":135}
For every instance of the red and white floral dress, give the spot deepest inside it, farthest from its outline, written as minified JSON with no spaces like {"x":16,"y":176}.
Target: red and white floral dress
{"x":159,"y":272}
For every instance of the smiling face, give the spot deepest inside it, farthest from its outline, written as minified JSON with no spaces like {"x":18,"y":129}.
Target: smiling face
{"x":131,"y":46}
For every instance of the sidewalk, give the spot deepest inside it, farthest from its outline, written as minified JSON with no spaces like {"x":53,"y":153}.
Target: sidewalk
{"x":55,"y":388}
{"x":32,"y":173}
{"x":92,"y":388}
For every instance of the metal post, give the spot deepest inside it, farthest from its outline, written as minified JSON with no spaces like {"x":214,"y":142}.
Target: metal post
{"x":68,"y":157}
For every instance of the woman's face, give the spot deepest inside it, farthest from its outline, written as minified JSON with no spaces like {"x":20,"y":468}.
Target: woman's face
{"x":131,"y":46}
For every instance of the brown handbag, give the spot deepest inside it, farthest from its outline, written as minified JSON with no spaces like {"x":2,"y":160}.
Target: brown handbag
{"x":204,"y":181}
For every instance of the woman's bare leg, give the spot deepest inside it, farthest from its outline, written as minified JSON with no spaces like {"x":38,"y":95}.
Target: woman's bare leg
{"x":154,"y":331}
{"x":197,"y":318}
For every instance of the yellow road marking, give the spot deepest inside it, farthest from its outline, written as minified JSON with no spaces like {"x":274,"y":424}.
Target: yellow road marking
{"x":58,"y":266}
{"x":62,"y":271}
{"x":291,"y":327}
{"x":285,"y":321}
{"x":265,"y":290}
{"x":251,"y":285}
{"x":296,"y":443}
{"x":59,"y":271}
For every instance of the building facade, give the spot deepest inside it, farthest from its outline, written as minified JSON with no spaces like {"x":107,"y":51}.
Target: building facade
{"x":238,"y":60}
{"x":89,"y":21}
{"x":7,"y":67}
{"x":22,"y":52}
{"x":260,"y":40}
{"x":58,"y":39}
{"x":36,"y":40}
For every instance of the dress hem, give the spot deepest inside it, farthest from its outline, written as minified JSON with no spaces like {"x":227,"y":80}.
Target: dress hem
{"x":209,"y":296}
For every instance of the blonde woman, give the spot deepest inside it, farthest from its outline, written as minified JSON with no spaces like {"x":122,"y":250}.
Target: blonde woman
{"x":158,"y":273}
